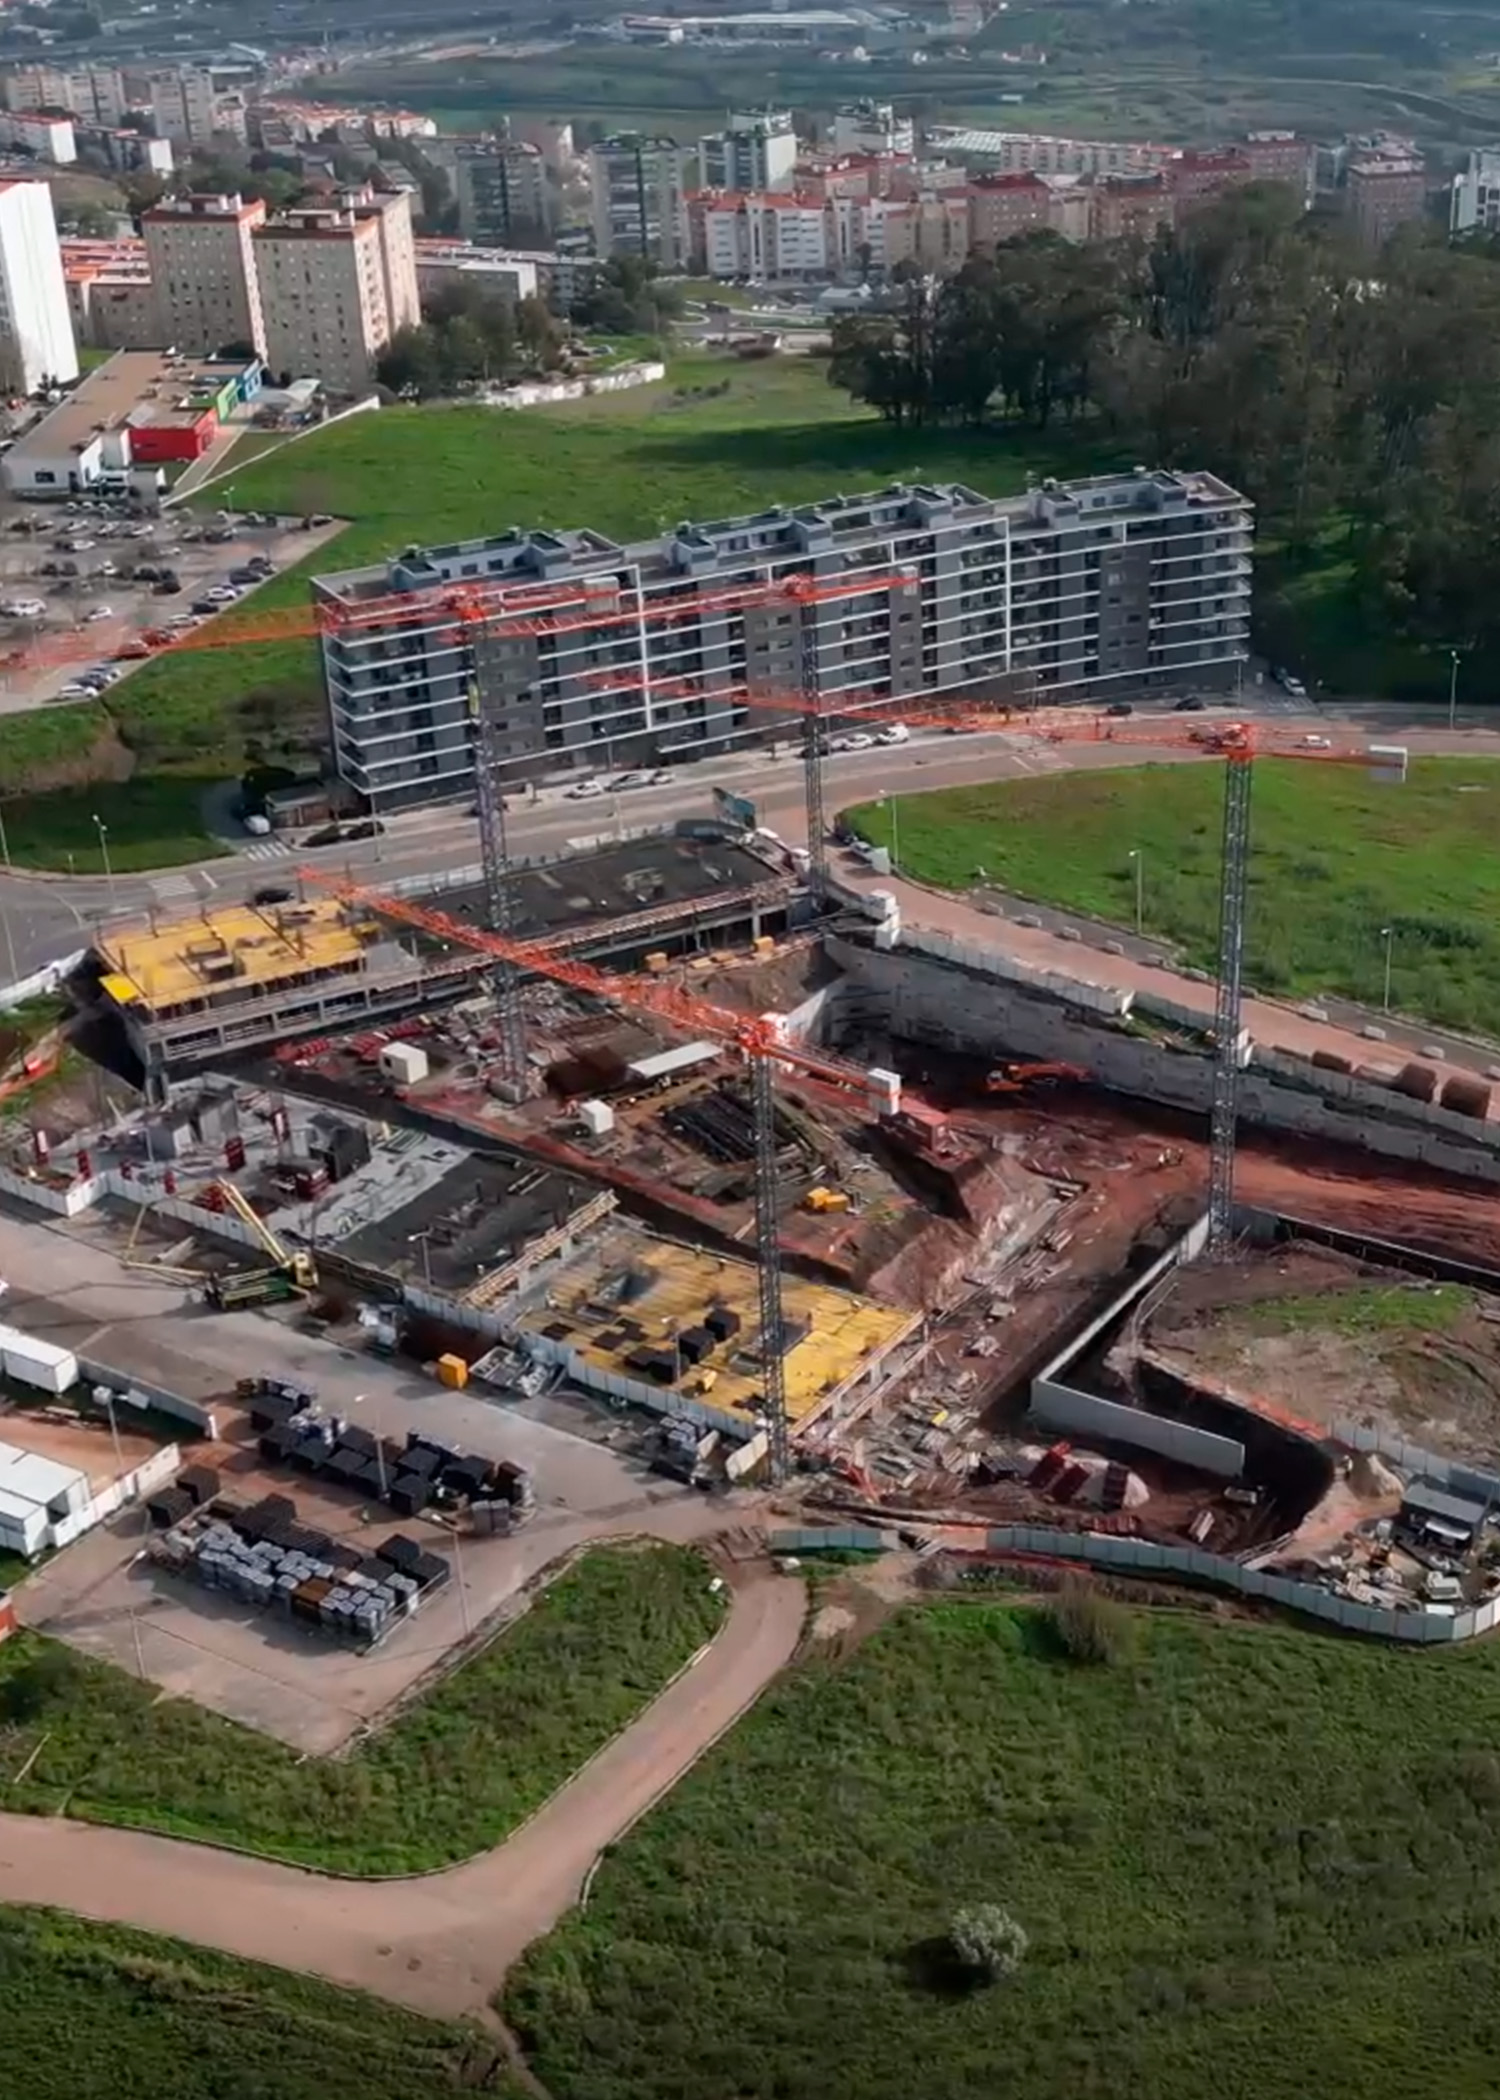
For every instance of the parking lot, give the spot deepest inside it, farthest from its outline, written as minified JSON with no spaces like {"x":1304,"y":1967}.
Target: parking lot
{"x":90,"y":588}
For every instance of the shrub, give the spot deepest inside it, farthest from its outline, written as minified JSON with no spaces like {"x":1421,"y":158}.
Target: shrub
{"x":987,"y":1941}
{"x":1087,"y":1626}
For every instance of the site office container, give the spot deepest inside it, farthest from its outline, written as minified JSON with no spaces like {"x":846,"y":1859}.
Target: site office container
{"x":37,"y":1363}
{"x":24,"y":1526}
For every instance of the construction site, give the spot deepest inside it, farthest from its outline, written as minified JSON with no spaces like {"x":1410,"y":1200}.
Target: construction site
{"x":694,"y":1152}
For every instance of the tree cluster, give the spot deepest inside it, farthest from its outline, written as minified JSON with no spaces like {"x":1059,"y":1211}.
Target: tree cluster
{"x":627,"y":297}
{"x":1342,"y":392}
{"x":471,"y":337}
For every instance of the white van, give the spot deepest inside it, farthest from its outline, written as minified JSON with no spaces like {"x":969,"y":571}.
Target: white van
{"x":893,"y":733}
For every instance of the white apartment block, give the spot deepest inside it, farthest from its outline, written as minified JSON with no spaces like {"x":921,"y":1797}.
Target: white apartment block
{"x":49,"y":138}
{"x":1476,"y":194}
{"x":1034,"y":152}
{"x":767,"y":237}
{"x":322,"y":280}
{"x":390,"y":210}
{"x":36,"y":330}
{"x":502,"y":189}
{"x":637,"y":187}
{"x":757,"y":150}
{"x":1124,"y":584}
{"x":202,"y":261}
{"x":872,"y":127}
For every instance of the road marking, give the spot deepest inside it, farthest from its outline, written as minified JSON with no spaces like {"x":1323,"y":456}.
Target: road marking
{"x":207,"y":880}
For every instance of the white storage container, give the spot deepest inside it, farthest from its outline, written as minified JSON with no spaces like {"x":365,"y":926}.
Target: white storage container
{"x":52,"y":1486}
{"x":597,"y":1117}
{"x":38,"y":1363}
{"x":24,"y":1527}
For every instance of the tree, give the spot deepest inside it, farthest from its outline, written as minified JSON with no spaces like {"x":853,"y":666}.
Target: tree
{"x":411,"y":363}
{"x":540,"y":334}
{"x":987,"y":1942}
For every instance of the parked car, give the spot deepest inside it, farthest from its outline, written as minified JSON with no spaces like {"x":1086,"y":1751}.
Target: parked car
{"x":1119,"y":708}
{"x":100,"y":612}
{"x":586,"y":790}
{"x":271,"y":894}
{"x":1291,"y":685}
{"x":132,"y":652}
{"x":1191,"y":705}
{"x":855,"y":740}
{"x":201,"y":605}
{"x":24,"y":608}
{"x":893,"y":733}
{"x":167,"y":590}
{"x":220,"y":534}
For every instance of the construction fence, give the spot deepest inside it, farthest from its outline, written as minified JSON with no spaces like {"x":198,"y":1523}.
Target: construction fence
{"x":1145,"y":1557}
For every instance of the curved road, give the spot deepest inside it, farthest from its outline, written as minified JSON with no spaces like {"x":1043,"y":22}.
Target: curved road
{"x":440,"y":1943}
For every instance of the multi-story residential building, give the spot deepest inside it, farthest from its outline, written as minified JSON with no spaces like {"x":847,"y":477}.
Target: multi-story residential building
{"x":1196,"y":177}
{"x":1280,"y":156}
{"x":36,"y":332}
{"x":322,"y":283}
{"x":757,"y":150}
{"x":872,"y":127}
{"x":132,"y":152}
{"x":187,"y":107}
{"x":43,"y":134}
{"x":504,"y":197}
{"x":1128,"y":582}
{"x":1014,"y":152}
{"x":94,"y":94}
{"x":769,"y":236}
{"x":1125,"y":207}
{"x":1475,"y":205}
{"x":1383,"y":188}
{"x":1003,"y":206}
{"x":391,"y":212}
{"x":930,"y":232}
{"x":202,"y":257}
{"x":111,"y":299}
{"x":636,"y":191}
{"x":515,"y":274}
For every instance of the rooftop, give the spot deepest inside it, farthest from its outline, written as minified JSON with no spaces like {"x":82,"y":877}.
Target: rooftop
{"x":113,"y":394}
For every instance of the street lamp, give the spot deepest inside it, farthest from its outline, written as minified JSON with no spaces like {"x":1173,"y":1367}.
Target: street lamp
{"x":1139,"y":858}
{"x":1388,"y":935}
{"x":103,"y":830}
{"x":4,"y":841}
{"x":1452,"y":687}
{"x":890,"y":801}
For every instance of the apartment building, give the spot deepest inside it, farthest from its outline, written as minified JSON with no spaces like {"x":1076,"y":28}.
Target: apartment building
{"x":1196,"y":178}
{"x":504,"y":196}
{"x":36,"y":333}
{"x":44,"y":135}
{"x":1021,"y":152}
{"x":1384,"y":188}
{"x":322,"y":281}
{"x":770,"y":237}
{"x":872,"y":127}
{"x":756,"y":150}
{"x":202,"y":258}
{"x":930,"y":231}
{"x":636,"y":190}
{"x":1280,"y":156}
{"x":390,"y":211}
{"x":187,"y":107}
{"x":1130,"y":207}
{"x":1120,"y":584}
{"x":1475,"y":203}
{"x":1002,"y":207}
{"x":131,"y":152}
{"x":111,"y":299}
{"x":558,"y":279}
{"x":94,"y":94}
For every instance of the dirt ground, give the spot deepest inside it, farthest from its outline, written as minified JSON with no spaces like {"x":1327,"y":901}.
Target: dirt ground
{"x":60,"y":1435}
{"x":1439,"y":1388}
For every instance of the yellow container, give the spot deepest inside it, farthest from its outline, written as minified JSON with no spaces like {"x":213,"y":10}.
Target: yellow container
{"x":452,"y":1371}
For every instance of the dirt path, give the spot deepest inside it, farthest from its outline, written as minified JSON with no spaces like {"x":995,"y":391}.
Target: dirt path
{"x":442,"y":1943}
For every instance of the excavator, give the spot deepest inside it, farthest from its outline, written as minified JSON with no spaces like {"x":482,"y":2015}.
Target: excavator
{"x":1017,"y":1078}
{"x":290,"y":1274}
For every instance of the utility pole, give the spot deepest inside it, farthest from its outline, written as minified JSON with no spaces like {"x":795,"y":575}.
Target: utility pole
{"x":1453,"y":688}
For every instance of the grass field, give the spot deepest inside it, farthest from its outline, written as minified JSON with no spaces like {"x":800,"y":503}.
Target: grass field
{"x":1337,"y":857}
{"x":450,"y":1777}
{"x":1369,"y":1309}
{"x":97,"y":2013}
{"x":1252,"y":1862}
{"x":719,"y":437}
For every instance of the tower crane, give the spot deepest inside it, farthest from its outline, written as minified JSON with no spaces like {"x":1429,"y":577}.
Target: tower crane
{"x":761,"y":1040}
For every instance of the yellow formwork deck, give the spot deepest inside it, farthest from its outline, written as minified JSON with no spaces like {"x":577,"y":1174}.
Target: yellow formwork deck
{"x":232,"y":948}
{"x":627,"y":1278}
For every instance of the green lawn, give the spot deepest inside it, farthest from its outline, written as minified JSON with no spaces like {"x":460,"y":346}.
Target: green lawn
{"x":1373,"y":1309}
{"x":94,"y":2012}
{"x":1253,"y":1863}
{"x":1337,"y":856}
{"x":450,"y":1777}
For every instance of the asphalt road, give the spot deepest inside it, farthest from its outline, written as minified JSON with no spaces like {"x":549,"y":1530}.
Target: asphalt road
{"x":42,"y":917}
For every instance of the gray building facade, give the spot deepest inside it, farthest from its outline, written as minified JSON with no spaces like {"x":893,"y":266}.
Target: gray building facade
{"x":592,"y":655}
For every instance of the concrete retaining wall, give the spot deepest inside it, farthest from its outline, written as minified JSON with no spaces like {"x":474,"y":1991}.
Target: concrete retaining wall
{"x":134,"y":1394}
{"x":1111,"y":1422}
